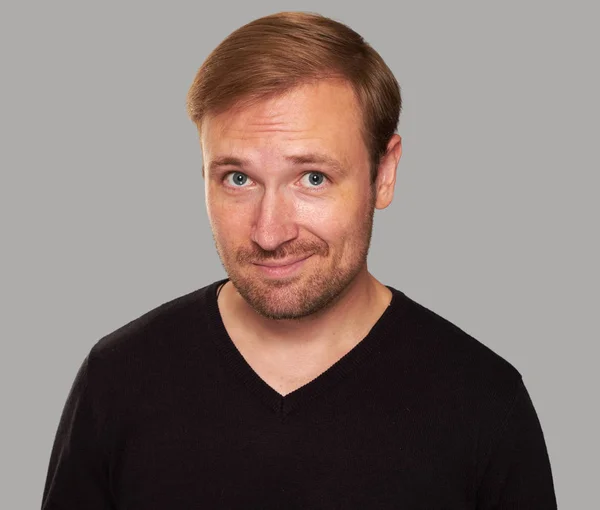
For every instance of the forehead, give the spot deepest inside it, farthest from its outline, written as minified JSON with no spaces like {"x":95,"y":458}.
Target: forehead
{"x":324,"y":115}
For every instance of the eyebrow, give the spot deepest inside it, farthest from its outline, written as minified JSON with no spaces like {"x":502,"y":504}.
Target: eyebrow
{"x":296,"y":159}
{"x":318,"y":159}
{"x":226,"y":161}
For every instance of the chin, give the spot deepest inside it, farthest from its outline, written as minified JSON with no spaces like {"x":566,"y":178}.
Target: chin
{"x":290,"y":298}
{"x":283,"y":309}
{"x":282,"y":298}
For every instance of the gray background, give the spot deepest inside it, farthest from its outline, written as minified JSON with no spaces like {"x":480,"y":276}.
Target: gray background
{"x":494,"y":224}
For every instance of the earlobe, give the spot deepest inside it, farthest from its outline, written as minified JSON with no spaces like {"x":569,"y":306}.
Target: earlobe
{"x":386,"y":174}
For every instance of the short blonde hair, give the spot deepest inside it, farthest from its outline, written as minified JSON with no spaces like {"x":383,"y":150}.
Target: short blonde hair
{"x":275,"y":53}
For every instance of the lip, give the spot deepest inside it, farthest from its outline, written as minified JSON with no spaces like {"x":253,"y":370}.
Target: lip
{"x":281,"y":268}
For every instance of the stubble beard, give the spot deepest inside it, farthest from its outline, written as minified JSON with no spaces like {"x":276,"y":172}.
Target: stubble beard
{"x":305,"y":294}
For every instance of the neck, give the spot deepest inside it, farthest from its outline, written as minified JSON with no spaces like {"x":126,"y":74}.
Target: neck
{"x":342,"y":324}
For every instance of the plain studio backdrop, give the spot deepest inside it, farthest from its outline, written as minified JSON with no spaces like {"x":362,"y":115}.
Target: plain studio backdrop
{"x":494,"y":224}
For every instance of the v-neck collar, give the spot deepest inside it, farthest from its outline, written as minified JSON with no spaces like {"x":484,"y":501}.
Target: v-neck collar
{"x":282,"y":405}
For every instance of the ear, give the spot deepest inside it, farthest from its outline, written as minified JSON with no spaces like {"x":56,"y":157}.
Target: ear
{"x":386,"y":173}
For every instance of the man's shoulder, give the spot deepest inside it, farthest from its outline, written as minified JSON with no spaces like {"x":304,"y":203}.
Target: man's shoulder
{"x":448,"y":353}
{"x":162,"y":328}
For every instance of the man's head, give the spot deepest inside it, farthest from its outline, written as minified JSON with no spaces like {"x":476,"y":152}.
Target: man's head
{"x":296,"y":115}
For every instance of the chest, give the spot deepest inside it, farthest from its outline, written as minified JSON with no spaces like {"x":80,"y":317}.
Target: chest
{"x":348,"y":451}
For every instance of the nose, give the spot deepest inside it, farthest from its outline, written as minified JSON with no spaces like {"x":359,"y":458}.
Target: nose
{"x":275,"y":221}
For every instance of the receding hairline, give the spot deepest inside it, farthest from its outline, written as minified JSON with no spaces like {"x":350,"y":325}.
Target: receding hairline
{"x":246,"y":101}
{"x":243,"y":103}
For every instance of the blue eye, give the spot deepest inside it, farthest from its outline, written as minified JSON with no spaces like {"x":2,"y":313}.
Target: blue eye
{"x":315,"y":178}
{"x":238,"y":178}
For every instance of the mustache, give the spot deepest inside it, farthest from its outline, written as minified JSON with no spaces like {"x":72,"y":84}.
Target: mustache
{"x":298,"y":250}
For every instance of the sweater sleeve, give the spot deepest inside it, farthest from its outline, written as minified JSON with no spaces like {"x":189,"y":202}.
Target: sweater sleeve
{"x":78,"y":474}
{"x":517,"y":473}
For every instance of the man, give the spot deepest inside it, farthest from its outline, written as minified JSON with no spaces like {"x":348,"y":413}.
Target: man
{"x":300,"y":381}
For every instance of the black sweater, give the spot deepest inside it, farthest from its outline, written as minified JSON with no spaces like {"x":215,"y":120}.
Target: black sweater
{"x":165,"y":413}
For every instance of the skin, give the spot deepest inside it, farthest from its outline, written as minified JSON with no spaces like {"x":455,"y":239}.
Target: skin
{"x":263,"y":206}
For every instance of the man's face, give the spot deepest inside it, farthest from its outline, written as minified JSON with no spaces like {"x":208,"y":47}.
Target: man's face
{"x":288,"y":179}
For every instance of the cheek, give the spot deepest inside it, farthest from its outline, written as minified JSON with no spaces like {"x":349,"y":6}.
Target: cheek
{"x":314,"y":213}
{"x":229,"y":224}
{"x":328,"y":220}
{"x":223,"y":212}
